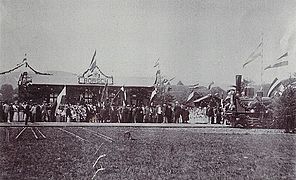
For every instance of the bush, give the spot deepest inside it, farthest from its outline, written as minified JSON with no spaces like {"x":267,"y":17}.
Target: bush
{"x":284,"y":105}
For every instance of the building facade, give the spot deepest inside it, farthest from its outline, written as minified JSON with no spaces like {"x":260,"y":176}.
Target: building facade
{"x":93,"y":86}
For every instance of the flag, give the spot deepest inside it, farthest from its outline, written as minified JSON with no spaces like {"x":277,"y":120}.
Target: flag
{"x":275,"y":83}
{"x":282,"y":56}
{"x":194,"y":86}
{"x":165,"y":81}
{"x":276,"y":65}
{"x":157,"y":77}
{"x":124,"y":93}
{"x":281,"y":89}
{"x":154,"y":92}
{"x":255,"y":54}
{"x":210,"y":85}
{"x":93,"y":62}
{"x":172,"y":79}
{"x":191,"y":95}
{"x":59,"y":98}
{"x":156,"y":63}
{"x":104,"y":95}
{"x":25,"y":58}
{"x":121,"y":90}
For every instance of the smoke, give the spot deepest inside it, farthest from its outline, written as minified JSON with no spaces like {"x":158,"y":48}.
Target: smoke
{"x":288,"y":41}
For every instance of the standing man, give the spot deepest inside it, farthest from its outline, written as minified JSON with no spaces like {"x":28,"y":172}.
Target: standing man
{"x":1,"y":112}
{"x":169,"y":113}
{"x":6,"y":111}
{"x":164,"y":110}
{"x":159,"y":114}
{"x":27,"y":113}
{"x":11,"y":112}
{"x":177,"y":111}
{"x":185,"y":114}
{"x":33,"y":112}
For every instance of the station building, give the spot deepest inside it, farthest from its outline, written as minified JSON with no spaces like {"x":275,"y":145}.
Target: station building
{"x":86,"y":88}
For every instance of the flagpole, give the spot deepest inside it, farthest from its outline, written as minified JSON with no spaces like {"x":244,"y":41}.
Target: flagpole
{"x":262,"y":60}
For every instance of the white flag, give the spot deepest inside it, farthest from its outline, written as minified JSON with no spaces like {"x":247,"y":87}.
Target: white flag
{"x":190,"y":96}
{"x":59,"y":98}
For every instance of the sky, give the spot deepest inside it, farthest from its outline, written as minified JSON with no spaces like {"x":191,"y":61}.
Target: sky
{"x":197,"y":41}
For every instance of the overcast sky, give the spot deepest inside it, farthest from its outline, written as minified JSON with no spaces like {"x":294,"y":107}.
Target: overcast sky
{"x":196,"y":41}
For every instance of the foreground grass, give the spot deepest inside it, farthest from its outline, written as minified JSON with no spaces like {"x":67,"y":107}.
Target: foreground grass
{"x":152,"y":153}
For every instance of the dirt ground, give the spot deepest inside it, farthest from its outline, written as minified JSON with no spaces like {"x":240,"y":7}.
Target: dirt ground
{"x":146,"y":153}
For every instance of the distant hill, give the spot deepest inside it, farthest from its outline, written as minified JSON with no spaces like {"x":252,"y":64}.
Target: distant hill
{"x":10,"y":78}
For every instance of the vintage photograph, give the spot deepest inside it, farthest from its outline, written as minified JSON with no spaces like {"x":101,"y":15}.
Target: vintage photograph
{"x":147,"y":89}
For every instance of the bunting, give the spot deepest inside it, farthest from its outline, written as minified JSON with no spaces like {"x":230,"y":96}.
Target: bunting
{"x":26,"y":65}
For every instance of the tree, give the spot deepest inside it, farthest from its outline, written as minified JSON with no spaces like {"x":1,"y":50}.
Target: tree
{"x":7,"y":92}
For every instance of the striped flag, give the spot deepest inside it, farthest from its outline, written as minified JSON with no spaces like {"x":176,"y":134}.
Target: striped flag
{"x":194,"y":86}
{"x":255,"y":54}
{"x":104,"y":95}
{"x":156,"y":63}
{"x":154,"y":92}
{"x":59,"y":98}
{"x":276,"y":65}
{"x":275,"y":83}
{"x":157,"y":77}
{"x":93,"y":62}
{"x":282,"y":56}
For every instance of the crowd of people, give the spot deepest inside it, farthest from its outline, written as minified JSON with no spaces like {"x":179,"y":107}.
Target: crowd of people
{"x":47,"y":112}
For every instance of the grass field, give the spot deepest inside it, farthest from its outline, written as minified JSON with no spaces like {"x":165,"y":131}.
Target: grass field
{"x":150,"y":153}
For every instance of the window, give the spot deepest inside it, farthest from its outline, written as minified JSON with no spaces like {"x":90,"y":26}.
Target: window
{"x":53,"y":97}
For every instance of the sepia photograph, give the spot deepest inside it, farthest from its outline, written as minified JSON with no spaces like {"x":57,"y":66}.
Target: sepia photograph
{"x":147,"y":89}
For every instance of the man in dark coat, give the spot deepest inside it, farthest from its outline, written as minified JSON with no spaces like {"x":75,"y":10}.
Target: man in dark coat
{"x":185,"y":114}
{"x":168,"y":113}
{"x":27,"y":113}
{"x":210,"y":113}
{"x":125,"y":113}
{"x":68,"y":113}
{"x":218,"y":115}
{"x":1,"y":112}
{"x":38,"y":113}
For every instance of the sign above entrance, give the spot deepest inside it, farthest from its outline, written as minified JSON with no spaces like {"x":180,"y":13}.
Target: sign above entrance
{"x":95,"y":76}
